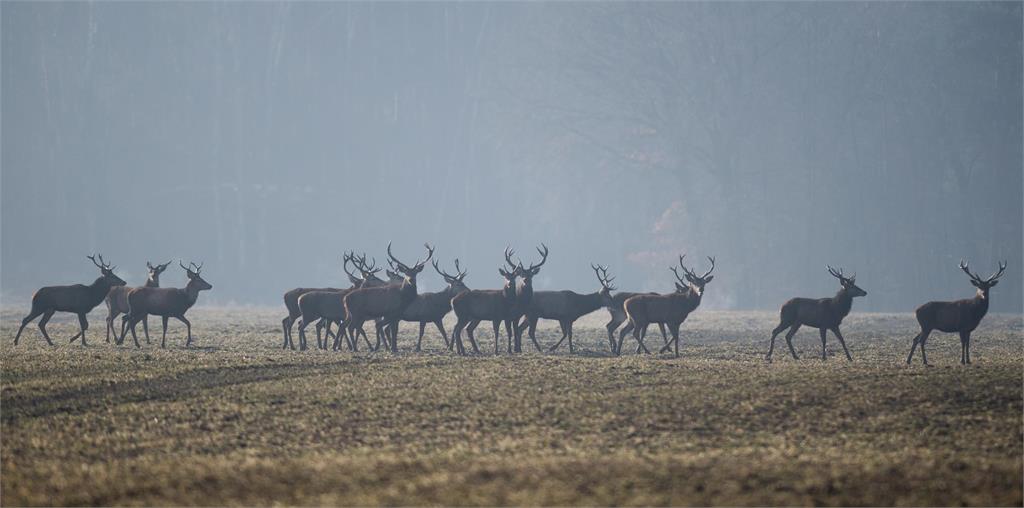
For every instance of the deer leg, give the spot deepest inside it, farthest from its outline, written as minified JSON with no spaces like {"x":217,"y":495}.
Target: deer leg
{"x":568,"y":327}
{"x":469,"y":333}
{"x":611,"y":326}
{"x":163,"y":338}
{"x":789,"y":339}
{"x":124,"y":329}
{"x":394,"y":334}
{"x":964,"y":338}
{"x":913,"y":347}
{"x":533,"y":335}
{"x":510,"y":330}
{"x":663,"y":336}
{"x":327,"y":332}
{"x":967,"y":346}
{"x":188,"y":326}
{"x":561,"y":326}
{"x":497,"y":337}
{"x":110,"y":325}
{"x":440,"y":328}
{"x":924,"y":356}
{"x":42,"y":325}
{"x":24,"y":322}
{"x":622,"y":336}
{"x":842,"y":342}
{"x":83,"y":323}
{"x":132,"y":321}
{"x":419,"y":340}
{"x":636,"y":335}
{"x":771,"y":343}
{"x":821,"y":331}
{"x":675,"y":336}
{"x":302,"y":323}
{"x":145,"y":326}
{"x":319,"y":327}
{"x":286,"y":324}
{"x":456,"y":342}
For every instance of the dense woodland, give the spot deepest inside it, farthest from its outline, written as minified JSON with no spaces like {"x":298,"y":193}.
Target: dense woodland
{"x":266,"y":139}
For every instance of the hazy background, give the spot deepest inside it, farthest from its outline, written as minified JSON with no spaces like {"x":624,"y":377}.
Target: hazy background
{"x":265,"y":139}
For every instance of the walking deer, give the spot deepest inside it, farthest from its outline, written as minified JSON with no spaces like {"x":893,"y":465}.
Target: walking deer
{"x":961,"y":316}
{"x":433,"y":307}
{"x":385,"y":302}
{"x":567,"y":306}
{"x":492,"y":305}
{"x":291,"y":299}
{"x":618,"y":316}
{"x":117,"y":302}
{"x":823,"y":313}
{"x":167,"y":302}
{"x":78,"y":299}
{"x":671,"y":309}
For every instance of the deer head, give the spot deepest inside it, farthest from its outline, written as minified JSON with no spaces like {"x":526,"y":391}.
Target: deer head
{"x":983,"y":285}
{"x":455,"y":284}
{"x":848,"y":283}
{"x":194,"y":280}
{"x":369,"y":272}
{"x":528,"y":273}
{"x":410,"y":271}
{"x":606,"y":284}
{"x":509,"y":274}
{"x":107,"y":271}
{"x":695,"y":282}
{"x":155,"y":271}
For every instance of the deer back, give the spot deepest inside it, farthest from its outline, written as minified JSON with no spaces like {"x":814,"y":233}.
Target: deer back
{"x":323,"y":304}
{"x":159,"y":301}
{"x":483,"y":304}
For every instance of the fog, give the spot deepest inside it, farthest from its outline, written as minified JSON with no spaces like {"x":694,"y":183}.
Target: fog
{"x":266,"y":139}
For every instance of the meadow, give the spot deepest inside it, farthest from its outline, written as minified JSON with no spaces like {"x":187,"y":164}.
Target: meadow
{"x":235,"y":420}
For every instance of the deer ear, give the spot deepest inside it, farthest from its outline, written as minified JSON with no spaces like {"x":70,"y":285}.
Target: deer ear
{"x":709,"y":279}
{"x":993,"y":283}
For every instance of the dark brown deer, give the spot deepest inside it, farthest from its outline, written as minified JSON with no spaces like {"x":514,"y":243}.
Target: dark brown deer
{"x":291,"y":300}
{"x":78,"y":299}
{"x":433,"y":307}
{"x":961,"y":316}
{"x":618,"y":316}
{"x":823,"y":313}
{"x":385,"y":302}
{"x":671,"y":309}
{"x":567,"y":306}
{"x":117,"y":302}
{"x":524,"y":296}
{"x":166,"y":302}
{"x":476,"y":305}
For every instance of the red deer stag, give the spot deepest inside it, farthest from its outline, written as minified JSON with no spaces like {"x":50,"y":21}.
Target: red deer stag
{"x":524,"y":295}
{"x":291,"y":302}
{"x":386,"y":302}
{"x":671,"y":309}
{"x":167,"y":302}
{"x":78,"y":299}
{"x":567,"y":306}
{"x":492,"y":305}
{"x":961,"y":316}
{"x":823,"y":313}
{"x":433,"y":307}
{"x":117,"y":302}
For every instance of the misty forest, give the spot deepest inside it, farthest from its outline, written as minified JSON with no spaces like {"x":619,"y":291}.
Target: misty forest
{"x":265,"y":140}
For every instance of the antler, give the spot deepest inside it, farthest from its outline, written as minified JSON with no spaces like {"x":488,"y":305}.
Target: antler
{"x":448,"y":277}
{"x":712,"y":259}
{"x":973,"y":276}
{"x":1002,"y":268}
{"x":602,"y":276}
{"x":101,"y":264}
{"x":543,"y":258}
{"x":430,"y":254}
{"x":360,"y":264}
{"x":839,"y":274}
{"x":190,"y":267}
{"x":401,"y":266}
{"x":509,"y":252}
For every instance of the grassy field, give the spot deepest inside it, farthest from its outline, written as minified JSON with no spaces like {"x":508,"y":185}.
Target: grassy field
{"x":237,"y":421}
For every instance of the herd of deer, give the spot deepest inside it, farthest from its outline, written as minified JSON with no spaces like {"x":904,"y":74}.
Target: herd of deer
{"x":516,"y":304}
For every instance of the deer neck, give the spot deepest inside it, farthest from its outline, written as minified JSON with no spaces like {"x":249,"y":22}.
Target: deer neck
{"x":408,"y":290}
{"x":981,"y":301}
{"x":191,"y":293}
{"x":99,"y":288}
{"x":152,"y":282}
{"x":842,"y":302}
{"x":593,"y":301}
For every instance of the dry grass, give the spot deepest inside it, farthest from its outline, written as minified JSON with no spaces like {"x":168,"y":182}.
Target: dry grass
{"x":237,"y":421}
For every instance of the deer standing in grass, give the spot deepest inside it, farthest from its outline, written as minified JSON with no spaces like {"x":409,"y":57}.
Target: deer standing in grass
{"x":618,"y":316}
{"x":823,"y":313}
{"x":433,"y":307}
{"x":166,"y":302}
{"x":524,"y":297}
{"x":671,"y":309}
{"x":386,"y":302}
{"x":291,"y":298}
{"x":117,"y":302}
{"x":78,"y":299}
{"x":492,"y":305}
{"x":567,"y":306}
{"x":961,"y":316}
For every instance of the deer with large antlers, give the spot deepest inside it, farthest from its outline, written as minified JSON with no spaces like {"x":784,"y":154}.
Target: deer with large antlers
{"x":78,"y":299}
{"x":961,"y":316}
{"x":167,"y":302}
{"x":386,"y":302}
{"x":671,"y":309}
{"x":823,"y":313}
{"x":524,"y":296}
{"x":117,"y":302}
{"x":567,"y":306}
{"x":433,"y":307}
{"x":494,"y":305}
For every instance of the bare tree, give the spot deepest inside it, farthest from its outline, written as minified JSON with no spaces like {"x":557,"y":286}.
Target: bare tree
{"x":78,"y":299}
{"x":823,"y":314}
{"x":961,"y":316}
